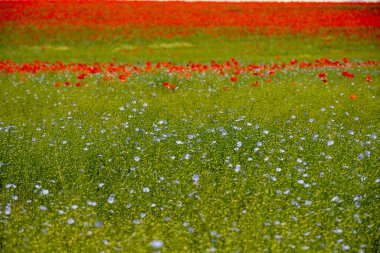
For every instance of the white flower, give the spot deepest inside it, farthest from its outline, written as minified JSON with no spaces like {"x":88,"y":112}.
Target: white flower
{"x":330,"y":143}
{"x":91,"y":203}
{"x":136,"y":158}
{"x":70,"y":221}
{"x":10,"y":186}
{"x":237,"y":168}
{"x":157,"y":244}
{"x":44,"y":192}
{"x":195,"y":178}
{"x":338,"y":231}
{"x":111,"y":199}
{"x":146,"y":189}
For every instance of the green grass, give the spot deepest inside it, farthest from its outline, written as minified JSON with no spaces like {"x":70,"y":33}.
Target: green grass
{"x":68,"y":140}
{"x":199,"y":47}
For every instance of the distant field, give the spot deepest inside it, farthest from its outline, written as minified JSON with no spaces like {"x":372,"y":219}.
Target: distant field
{"x":189,"y":127}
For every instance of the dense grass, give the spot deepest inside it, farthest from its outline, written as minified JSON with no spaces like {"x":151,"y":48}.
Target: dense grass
{"x":201,"y":168}
{"x":199,"y":48}
{"x":267,"y":163}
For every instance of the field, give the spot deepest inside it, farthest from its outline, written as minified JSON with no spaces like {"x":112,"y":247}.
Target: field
{"x":189,"y":127}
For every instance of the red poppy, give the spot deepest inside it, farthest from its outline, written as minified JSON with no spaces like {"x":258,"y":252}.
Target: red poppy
{"x":233,"y":79}
{"x":122,"y":78}
{"x":347,"y":74}
{"x":353,"y":96}
{"x":82,"y":76}
{"x":78,"y":84}
{"x":57,"y":85}
{"x":67,"y":83}
{"x":368,"y":78}
{"x":169,"y":86}
{"x":256,"y":84}
{"x":322,"y":76}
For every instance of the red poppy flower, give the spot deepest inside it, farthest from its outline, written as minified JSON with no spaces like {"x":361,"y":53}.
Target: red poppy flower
{"x":347,"y":74}
{"x":82,"y":76}
{"x":233,"y":79}
{"x":368,"y":78}
{"x":353,"y":97}
{"x":169,"y":86}
{"x":57,"y":85}
{"x":322,"y":76}
{"x":122,"y":78}
{"x":256,"y":84}
{"x":67,"y":83}
{"x":78,"y":84}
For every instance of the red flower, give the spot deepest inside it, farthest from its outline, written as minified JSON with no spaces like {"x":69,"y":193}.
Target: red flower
{"x":78,"y":84}
{"x":271,"y":73}
{"x":169,"y":86}
{"x":122,"y":78}
{"x":82,"y":76}
{"x":353,"y":97}
{"x":368,"y":78}
{"x":256,"y":84}
{"x":347,"y":74}
{"x":67,"y":83}
{"x":233,"y":79}
{"x":57,"y":85}
{"x":322,"y":76}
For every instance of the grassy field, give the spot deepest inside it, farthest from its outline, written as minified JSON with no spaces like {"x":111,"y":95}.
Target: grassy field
{"x":245,"y":142}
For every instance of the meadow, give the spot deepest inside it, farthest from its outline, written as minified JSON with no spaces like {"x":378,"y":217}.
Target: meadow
{"x":189,"y":127}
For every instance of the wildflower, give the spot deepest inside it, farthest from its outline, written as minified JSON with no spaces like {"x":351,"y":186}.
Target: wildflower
{"x":91,"y":203}
{"x":368,"y":78}
{"x":338,"y":231}
{"x":347,"y":74}
{"x":157,"y":244}
{"x":353,"y":97}
{"x":70,"y":221}
{"x":233,"y":79}
{"x":169,"y":86}
{"x":111,"y":199}
{"x":322,"y":76}
{"x":330,"y":143}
